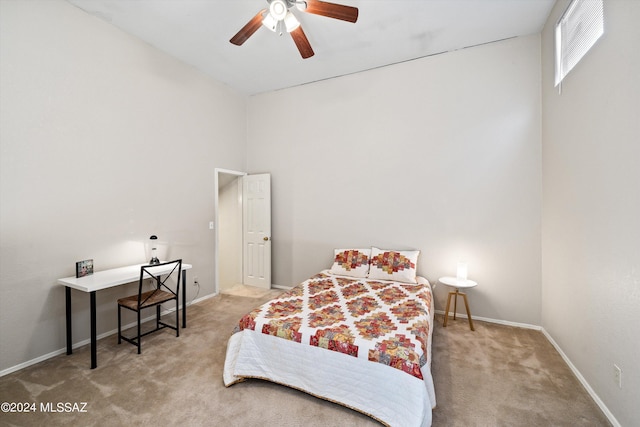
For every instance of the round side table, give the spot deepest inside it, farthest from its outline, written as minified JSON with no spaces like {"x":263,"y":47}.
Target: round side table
{"x":457,"y":284}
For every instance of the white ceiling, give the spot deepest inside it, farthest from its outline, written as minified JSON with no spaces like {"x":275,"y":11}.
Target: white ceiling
{"x":387,"y":32}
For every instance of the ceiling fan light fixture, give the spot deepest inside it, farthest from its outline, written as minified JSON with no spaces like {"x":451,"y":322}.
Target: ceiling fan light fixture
{"x":291,"y":22}
{"x":270,"y":22}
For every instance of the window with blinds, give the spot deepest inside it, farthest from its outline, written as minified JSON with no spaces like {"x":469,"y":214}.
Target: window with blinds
{"x":578,"y":29}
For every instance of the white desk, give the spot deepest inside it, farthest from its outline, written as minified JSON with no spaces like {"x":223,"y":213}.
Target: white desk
{"x":108,"y":279}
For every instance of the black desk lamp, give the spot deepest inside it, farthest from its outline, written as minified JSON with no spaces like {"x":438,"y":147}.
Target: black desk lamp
{"x":153,"y":243}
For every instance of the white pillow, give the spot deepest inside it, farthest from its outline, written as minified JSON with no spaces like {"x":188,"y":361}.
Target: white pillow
{"x":351,"y":262}
{"x":399,"y":266}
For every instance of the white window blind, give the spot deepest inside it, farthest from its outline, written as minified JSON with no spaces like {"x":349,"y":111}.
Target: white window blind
{"x":578,"y":29}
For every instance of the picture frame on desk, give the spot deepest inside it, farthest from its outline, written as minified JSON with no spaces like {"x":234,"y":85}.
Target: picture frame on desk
{"x":84,"y":268}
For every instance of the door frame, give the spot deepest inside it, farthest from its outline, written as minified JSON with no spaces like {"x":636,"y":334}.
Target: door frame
{"x":216,"y":222}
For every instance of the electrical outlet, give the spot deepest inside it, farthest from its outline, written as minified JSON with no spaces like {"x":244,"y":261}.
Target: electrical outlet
{"x":195,"y":281}
{"x":617,"y":374}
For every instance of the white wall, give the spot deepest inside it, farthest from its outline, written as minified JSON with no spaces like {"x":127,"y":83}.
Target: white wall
{"x":104,"y":141}
{"x":591,"y":214}
{"x":441,"y":154}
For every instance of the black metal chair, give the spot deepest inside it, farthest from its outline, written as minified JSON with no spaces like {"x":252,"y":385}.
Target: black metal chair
{"x":166,"y":277}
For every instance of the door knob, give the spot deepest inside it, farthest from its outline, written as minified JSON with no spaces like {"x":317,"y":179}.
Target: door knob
{"x":265,"y":238}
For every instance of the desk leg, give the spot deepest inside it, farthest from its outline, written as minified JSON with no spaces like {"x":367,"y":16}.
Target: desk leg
{"x":67,"y":296}
{"x":184,"y":299}
{"x":94,"y":341}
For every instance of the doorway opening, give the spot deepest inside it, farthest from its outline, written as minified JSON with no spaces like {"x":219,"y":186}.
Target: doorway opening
{"x":242,"y":228}
{"x":228,"y":229}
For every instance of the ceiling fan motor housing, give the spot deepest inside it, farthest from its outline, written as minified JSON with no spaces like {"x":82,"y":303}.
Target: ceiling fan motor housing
{"x":278,"y":9}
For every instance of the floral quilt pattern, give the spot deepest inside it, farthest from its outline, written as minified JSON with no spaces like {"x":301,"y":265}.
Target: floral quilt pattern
{"x":392,"y":262}
{"x":380,"y":321}
{"x":352,"y":259}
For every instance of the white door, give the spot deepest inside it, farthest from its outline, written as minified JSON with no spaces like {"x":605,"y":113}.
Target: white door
{"x":256,"y":219}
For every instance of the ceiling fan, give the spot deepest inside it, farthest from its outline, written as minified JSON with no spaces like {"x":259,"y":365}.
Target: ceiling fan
{"x":279,"y":18}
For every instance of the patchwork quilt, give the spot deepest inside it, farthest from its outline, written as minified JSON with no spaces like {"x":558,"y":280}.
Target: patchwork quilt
{"x":381,"y":321}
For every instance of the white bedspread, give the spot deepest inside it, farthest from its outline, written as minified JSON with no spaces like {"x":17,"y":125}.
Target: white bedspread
{"x":389,"y":395}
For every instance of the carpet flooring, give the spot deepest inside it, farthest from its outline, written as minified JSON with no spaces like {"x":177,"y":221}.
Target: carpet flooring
{"x":495,"y":376}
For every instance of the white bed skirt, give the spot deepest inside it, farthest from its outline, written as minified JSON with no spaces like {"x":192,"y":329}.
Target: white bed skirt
{"x":387,"y":394}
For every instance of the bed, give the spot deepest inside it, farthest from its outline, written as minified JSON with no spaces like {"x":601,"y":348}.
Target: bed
{"x":357,"y":334}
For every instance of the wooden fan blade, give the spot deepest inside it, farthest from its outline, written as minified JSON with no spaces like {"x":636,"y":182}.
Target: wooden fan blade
{"x":248,"y":30}
{"x":301,"y":41}
{"x":332,"y":10}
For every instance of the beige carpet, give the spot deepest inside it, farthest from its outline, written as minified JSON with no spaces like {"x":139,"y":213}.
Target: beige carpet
{"x":496,"y":376}
{"x":249,"y":291}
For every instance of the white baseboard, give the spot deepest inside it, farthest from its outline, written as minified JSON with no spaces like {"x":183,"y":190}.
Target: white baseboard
{"x":206,"y":297}
{"x":32,"y":362}
{"x":583,"y":381}
{"x":88,"y":340}
{"x":566,"y":359}
{"x":500,"y":322}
